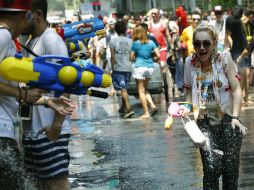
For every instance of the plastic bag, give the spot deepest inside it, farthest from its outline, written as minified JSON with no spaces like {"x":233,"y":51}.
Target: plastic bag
{"x":196,"y":135}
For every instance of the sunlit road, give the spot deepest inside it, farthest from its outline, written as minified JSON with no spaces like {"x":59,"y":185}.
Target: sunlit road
{"x":109,"y":153}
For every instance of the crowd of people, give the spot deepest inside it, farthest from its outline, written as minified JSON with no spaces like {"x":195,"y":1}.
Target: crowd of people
{"x":208,"y":56}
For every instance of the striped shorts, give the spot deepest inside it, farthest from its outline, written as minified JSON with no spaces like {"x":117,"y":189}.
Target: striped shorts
{"x":46,"y":159}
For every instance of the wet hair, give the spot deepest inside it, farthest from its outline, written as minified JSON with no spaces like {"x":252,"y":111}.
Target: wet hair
{"x":140,"y":33}
{"x":120,"y":27}
{"x":42,"y":5}
{"x":206,"y":28}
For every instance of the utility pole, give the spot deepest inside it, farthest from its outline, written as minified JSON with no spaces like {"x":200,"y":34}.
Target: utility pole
{"x":239,"y":2}
{"x":75,"y":5}
{"x":173,"y":4}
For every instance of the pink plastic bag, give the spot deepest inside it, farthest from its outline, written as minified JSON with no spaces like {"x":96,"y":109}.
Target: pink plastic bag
{"x":174,"y":109}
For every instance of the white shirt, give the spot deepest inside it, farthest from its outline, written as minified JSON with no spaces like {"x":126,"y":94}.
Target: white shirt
{"x":8,"y":104}
{"x":49,"y":43}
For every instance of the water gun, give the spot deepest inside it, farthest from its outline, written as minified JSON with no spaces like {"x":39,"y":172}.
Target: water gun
{"x":62,"y":76}
{"x":81,"y":30}
{"x":174,"y":110}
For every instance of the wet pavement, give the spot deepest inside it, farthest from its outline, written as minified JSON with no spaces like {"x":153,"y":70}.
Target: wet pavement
{"x":111,"y":153}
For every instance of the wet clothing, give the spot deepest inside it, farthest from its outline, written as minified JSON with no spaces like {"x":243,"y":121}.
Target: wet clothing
{"x":221,"y":87}
{"x":221,"y":136}
{"x":12,"y":170}
{"x":212,"y":106}
{"x":43,"y":157}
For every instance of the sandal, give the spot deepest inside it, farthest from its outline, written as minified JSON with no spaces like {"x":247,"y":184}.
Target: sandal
{"x":144,"y":117}
{"x":154,"y":111}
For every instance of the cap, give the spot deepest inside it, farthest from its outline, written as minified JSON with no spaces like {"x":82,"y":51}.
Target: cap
{"x":111,"y":21}
{"x":15,"y":5}
{"x":218,"y":8}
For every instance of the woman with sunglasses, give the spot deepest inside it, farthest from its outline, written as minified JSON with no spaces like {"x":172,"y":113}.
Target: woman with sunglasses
{"x":212,"y":85}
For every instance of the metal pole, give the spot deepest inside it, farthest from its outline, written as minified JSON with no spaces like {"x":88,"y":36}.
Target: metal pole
{"x":130,"y":4}
{"x":173,"y":4}
{"x":75,"y":5}
{"x":154,"y":4}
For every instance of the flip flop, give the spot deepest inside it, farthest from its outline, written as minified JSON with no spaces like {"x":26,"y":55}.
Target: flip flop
{"x":144,"y":117}
{"x":154,"y":111}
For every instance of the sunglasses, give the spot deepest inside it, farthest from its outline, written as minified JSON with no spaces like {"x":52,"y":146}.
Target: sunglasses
{"x":29,"y":16}
{"x":196,"y":19}
{"x":206,"y":44}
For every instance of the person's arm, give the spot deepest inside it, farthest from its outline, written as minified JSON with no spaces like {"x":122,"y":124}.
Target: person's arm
{"x":132,"y":56}
{"x":236,"y":94}
{"x":157,"y":54}
{"x":54,"y":131}
{"x":28,"y":95}
{"x":246,"y":51}
{"x":235,"y":86}
{"x":168,"y":36}
{"x":243,"y":54}
{"x":113,"y":57}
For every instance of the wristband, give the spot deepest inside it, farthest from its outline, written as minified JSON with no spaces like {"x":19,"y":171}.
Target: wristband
{"x":236,"y":117}
{"x":25,"y":93}
{"x":19,"y":99}
{"x":46,"y":101}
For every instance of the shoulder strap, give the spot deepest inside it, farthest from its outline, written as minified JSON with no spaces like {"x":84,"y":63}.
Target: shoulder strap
{"x":28,"y":50}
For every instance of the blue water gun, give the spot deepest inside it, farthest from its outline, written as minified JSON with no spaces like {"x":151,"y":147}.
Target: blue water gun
{"x":60,"y":75}
{"x":80,"y":30}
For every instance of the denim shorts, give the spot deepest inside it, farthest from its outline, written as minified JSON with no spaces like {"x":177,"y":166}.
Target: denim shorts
{"x":121,"y":79}
{"x":245,"y":62}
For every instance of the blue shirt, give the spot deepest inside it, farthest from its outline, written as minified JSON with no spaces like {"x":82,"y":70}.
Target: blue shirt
{"x":143,"y":53}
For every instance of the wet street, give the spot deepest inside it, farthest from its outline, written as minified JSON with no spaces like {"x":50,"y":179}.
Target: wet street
{"x":111,"y":153}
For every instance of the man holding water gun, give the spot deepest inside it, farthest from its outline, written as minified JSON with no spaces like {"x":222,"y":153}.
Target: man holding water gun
{"x":48,"y":130}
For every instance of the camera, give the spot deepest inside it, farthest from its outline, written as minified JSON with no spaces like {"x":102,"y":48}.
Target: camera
{"x":25,"y":111}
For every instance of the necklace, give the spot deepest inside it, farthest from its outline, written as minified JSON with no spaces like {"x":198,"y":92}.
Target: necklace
{"x":205,"y":80}
{"x":247,"y":32}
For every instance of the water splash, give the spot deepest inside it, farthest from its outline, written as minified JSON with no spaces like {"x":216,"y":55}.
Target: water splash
{"x":113,"y":184}
{"x":14,"y":171}
{"x":209,"y":148}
